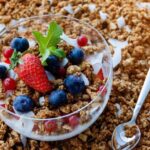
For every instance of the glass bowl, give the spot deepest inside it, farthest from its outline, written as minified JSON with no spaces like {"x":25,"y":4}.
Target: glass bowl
{"x":101,"y":61}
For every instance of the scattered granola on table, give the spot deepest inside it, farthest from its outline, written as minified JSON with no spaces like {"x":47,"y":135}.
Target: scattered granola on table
{"x":128,"y":76}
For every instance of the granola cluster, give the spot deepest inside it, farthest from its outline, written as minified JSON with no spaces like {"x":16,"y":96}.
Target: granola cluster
{"x":130,"y":131}
{"x":128,"y":76}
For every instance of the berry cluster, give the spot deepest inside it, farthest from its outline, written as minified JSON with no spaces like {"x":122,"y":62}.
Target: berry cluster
{"x":19,"y":44}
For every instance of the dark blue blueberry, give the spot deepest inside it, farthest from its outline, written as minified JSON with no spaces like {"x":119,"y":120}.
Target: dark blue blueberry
{"x":52,"y":61}
{"x":3,"y":72}
{"x":23,"y":103}
{"x":19,"y":44}
{"x":76,"y":56}
{"x":52,"y":69}
{"x":58,"y":98}
{"x":53,"y":64}
{"x":74,"y":84}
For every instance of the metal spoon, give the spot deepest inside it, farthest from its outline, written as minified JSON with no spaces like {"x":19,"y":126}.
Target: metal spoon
{"x":119,"y":139}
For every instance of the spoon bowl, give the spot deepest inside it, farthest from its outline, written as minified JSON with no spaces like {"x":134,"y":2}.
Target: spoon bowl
{"x":119,"y":139}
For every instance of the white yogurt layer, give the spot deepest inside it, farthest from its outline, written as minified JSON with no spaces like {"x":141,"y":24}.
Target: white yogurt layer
{"x":96,"y":61}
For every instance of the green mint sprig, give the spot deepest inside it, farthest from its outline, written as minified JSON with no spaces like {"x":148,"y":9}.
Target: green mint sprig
{"x":15,"y":59}
{"x":48,"y":43}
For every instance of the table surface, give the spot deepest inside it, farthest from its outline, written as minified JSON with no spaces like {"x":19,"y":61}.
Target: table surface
{"x":128,"y":75}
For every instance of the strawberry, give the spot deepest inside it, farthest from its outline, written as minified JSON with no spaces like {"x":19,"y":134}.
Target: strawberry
{"x":32,"y":73}
{"x":100,"y":74}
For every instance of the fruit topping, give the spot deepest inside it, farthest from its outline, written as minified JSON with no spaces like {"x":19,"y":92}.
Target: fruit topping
{"x":48,"y":43}
{"x":52,"y":61}
{"x":76,"y":56}
{"x":9,"y":84}
{"x":50,"y":126}
{"x":8,"y":53}
{"x":7,"y":61}
{"x":23,"y":103}
{"x":73,"y":121}
{"x":103,"y":90}
{"x":61,"y":72}
{"x":100,"y":74}
{"x":53,"y":64}
{"x":33,"y":74}
{"x":3,"y":72}
{"x":74,"y":84}
{"x":82,"y":40}
{"x":20,"y":44}
{"x":58,"y":98}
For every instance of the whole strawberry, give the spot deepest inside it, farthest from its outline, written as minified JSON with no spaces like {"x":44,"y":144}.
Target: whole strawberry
{"x":32,"y":73}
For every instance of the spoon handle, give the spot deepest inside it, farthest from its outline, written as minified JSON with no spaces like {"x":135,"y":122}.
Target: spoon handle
{"x":143,"y":94}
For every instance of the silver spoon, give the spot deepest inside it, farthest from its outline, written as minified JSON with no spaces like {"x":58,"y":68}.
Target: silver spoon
{"x":119,"y":139}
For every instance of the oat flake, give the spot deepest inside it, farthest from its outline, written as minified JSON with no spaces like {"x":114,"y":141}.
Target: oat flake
{"x":119,"y":110}
{"x":32,"y":43}
{"x":70,"y":41}
{"x":50,"y":76}
{"x":103,"y":15}
{"x":85,"y":79}
{"x":121,"y":22}
{"x":2,"y":26}
{"x":92,"y":7}
{"x":127,"y":28}
{"x":145,"y":5}
{"x":118,"y":45}
{"x":69,"y":9}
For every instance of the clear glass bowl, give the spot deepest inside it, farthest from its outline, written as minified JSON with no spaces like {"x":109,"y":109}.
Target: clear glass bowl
{"x":87,"y":115}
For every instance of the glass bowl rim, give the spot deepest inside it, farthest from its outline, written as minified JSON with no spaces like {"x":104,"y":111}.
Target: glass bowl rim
{"x":80,"y":22}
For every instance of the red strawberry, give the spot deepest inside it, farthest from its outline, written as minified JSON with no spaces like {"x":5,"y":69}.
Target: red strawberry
{"x":32,"y":73}
{"x":100,"y":74}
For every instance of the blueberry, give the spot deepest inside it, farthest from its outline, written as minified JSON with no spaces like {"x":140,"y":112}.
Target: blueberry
{"x":53,"y":64}
{"x":23,"y":103}
{"x":20,"y":44}
{"x":52,"y":61}
{"x":76,"y":56}
{"x":58,"y":98}
{"x":3,"y":72}
{"x":74,"y":84}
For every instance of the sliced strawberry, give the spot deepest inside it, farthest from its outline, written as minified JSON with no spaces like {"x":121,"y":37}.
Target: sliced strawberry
{"x":73,"y":121}
{"x":50,"y":126}
{"x":33,"y":74}
{"x":103,"y":90}
{"x":100,"y":74}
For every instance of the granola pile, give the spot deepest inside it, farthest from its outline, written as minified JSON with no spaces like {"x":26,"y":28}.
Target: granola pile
{"x":128,"y":75}
{"x":130,"y":131}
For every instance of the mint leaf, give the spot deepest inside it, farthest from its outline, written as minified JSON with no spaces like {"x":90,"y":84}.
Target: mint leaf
{"x":53,"y":35}
{"x":48,"y":43}
{"x":41,"y":41}
{"x":58,"y":53}
{"x":15,"y":59}
{"x":45,"y":56}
